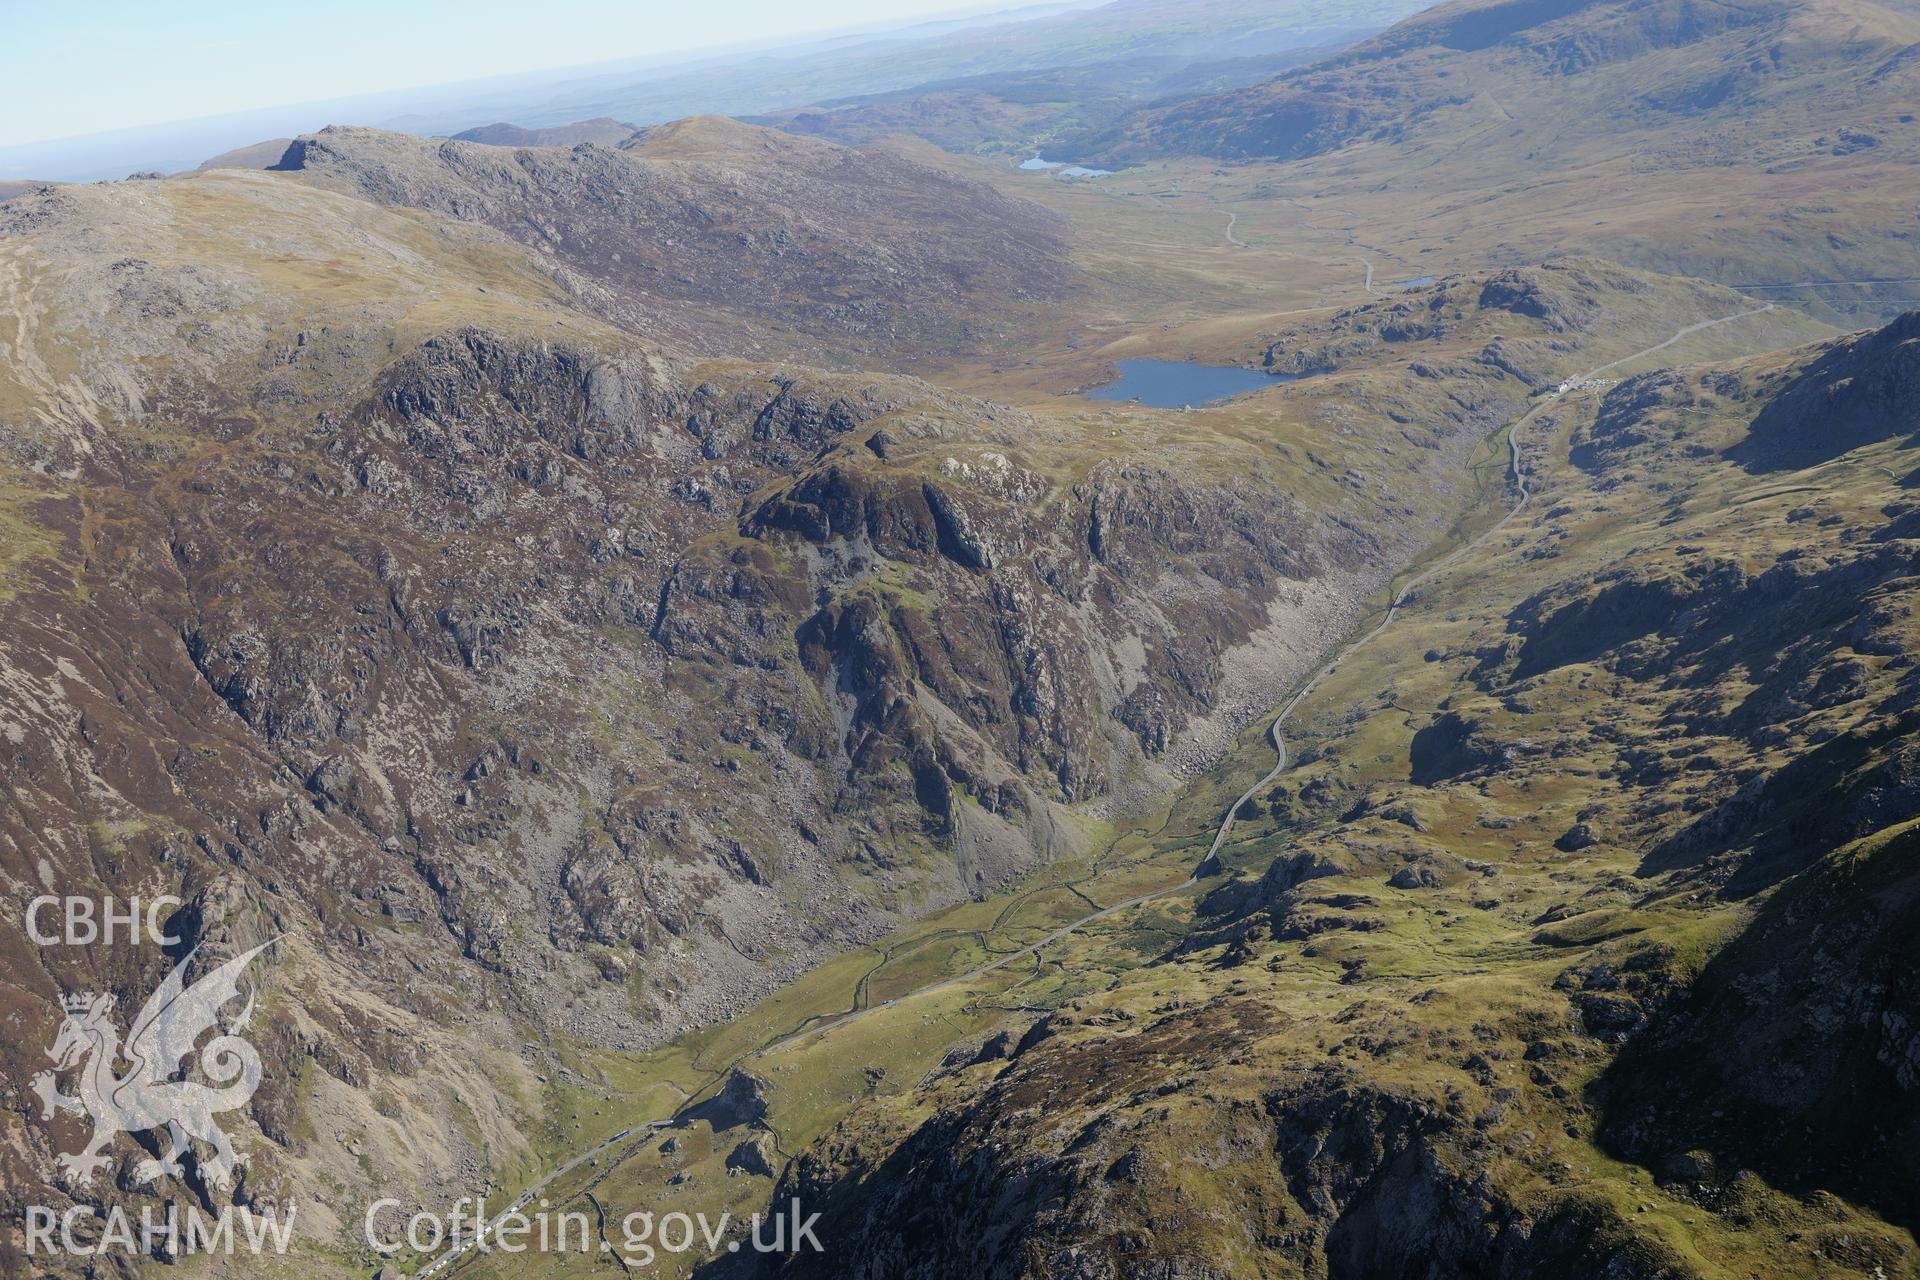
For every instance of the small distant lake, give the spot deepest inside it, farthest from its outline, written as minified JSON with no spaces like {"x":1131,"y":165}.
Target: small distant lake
{"x":1174,"y":384}
{"x":1070,"y":170}
{"x":1418,"y":282}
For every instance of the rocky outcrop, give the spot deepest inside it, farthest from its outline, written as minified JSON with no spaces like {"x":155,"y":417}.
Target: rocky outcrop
{"x":592,"y":667}
{"x":1853,"y":393}
{"x":1796,"y":1053}
{"x":1344,"y":1176}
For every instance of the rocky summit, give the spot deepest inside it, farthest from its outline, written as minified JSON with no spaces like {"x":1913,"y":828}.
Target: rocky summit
{"x":573,"y":665}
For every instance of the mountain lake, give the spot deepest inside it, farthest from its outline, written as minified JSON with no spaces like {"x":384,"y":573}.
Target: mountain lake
{"x":1176,"y":384}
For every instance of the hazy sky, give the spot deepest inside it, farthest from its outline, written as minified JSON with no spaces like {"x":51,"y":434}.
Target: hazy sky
{"x":71,"y":68}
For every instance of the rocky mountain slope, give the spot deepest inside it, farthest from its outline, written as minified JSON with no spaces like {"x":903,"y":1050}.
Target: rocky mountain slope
{"x":543,"y":686}
{"x":1572,"y":944}
{"x":550,"y":687}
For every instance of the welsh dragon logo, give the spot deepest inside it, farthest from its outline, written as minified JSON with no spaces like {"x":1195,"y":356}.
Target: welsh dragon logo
{"x":147,"y":1097}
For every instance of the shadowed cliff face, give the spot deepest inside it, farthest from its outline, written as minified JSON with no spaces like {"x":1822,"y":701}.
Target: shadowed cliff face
{"x":1861,"y":391}
{"x":1794,"y":1053}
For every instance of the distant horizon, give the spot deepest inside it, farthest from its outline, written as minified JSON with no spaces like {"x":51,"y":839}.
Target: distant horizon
{"x":27,"y":99}
{"x":645,"y":88}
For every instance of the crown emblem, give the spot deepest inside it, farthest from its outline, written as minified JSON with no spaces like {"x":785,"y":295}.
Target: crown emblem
{"x":79,"y":1003}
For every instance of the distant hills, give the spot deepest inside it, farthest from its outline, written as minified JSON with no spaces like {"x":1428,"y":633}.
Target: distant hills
{"x":751,"y":78}
{"x":997,"y":110}
{"x":1789,"y":79}
{"x":260,"y":155}
{"x":269,"y":154}
{"x":599,"y":129}
{"x":1768,"y":145}
{"x":1771,"y":144}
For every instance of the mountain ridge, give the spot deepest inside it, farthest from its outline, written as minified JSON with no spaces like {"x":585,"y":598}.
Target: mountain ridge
{"x":709,"y":219}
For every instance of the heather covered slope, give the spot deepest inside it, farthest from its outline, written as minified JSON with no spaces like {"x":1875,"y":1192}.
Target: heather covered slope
{"x":1572,"y":944}
{"x":741,"y":239}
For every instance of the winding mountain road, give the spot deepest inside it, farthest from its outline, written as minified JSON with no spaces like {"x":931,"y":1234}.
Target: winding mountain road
{"x":1828,"y":284}
{"x":461,"y":1247}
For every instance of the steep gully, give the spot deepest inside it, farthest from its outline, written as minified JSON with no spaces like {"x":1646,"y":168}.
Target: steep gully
{"x":1208,"y":865}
